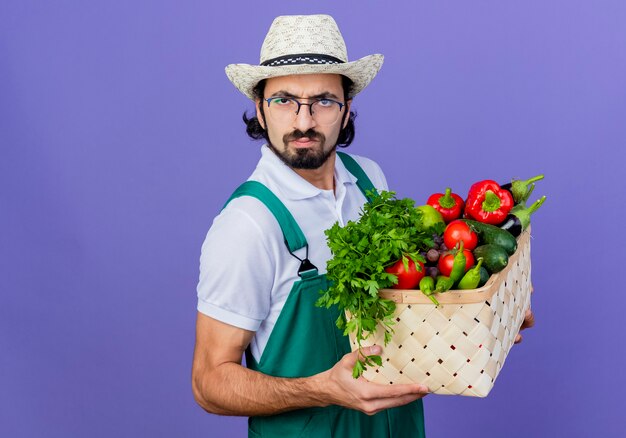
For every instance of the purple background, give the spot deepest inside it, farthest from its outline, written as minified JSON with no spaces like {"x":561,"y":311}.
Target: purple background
{"x":120,"y":138}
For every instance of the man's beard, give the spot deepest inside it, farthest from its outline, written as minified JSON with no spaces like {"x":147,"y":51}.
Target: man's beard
{"x":304,"y":158}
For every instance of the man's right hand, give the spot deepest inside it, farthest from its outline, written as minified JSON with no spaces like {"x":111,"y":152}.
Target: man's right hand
{"x":221,"y":385}
{"x":339,"y":387}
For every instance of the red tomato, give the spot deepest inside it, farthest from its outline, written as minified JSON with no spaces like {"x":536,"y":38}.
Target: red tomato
{"x":457,"y":231}
{"x":406,"y":279}
{"x":446,"y":262}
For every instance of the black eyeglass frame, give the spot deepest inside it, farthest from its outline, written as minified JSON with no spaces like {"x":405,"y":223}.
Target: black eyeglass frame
{"x":310,"y":105}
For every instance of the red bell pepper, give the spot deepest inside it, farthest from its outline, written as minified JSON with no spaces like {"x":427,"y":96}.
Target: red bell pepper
{"x":487,"y":202}
{"x":450,"y":205}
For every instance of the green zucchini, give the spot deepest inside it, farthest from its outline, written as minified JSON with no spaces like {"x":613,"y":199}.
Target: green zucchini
{"x":494,"y":256}
{"x":484,"y":276}
{"x":495,"y":235}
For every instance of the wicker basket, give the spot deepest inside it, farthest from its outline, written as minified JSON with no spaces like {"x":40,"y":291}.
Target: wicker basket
{"x":459,"y":347}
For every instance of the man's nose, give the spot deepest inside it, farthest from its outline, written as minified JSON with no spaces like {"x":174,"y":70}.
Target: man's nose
{"x":304,"y":120}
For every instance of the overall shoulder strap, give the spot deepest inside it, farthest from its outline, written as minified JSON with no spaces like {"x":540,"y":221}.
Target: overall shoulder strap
{"x":294,"y":238}
{"x":362,"y":180}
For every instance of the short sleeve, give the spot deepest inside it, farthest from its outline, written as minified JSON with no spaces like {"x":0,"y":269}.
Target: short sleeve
{"x":236,"y":270}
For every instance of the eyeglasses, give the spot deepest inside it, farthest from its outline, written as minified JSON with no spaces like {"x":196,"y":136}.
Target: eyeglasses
{"x":286,"y":109}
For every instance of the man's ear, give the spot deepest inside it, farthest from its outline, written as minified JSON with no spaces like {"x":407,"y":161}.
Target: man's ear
{"x":259,"y":116}
{"x":347,"y":112}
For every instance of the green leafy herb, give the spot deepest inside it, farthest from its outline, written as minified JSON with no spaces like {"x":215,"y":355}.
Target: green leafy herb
{"x":389,"y":229}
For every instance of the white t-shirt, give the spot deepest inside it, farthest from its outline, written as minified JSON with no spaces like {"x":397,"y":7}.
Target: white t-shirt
{"x":246,"y":271}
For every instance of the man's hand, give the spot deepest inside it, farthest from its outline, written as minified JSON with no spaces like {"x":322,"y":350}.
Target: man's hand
{"x":529,"y":321}
{"x":342,"y":389}
{"x":222,"y":386}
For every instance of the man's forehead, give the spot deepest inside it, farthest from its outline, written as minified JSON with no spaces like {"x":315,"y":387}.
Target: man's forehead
{"x":309,"y":84}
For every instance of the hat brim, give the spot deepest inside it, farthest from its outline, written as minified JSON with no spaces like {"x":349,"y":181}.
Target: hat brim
{"x":361,"y":72}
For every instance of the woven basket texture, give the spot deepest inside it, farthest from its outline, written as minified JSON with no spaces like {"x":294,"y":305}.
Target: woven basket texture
{"x":459,"y":347}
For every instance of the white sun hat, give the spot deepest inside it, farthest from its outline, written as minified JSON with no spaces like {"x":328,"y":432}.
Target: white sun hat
{"x":304,"y":44}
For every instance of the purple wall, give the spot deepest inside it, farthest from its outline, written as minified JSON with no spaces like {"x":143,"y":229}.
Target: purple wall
{"x":120,"y":138}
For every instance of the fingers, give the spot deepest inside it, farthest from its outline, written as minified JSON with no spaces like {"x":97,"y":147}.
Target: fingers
{"x":376,"y":397}
{"x":381,"y":391}
{"x":529,"y":320}
{"x":367,"y":396}
{"x":351,"y":358}
{"x":375,"y":406}
{"x":374,"y":391}
{"x":368,"y":351}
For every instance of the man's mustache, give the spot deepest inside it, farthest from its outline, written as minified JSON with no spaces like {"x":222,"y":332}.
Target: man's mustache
{"x":297,"y":134}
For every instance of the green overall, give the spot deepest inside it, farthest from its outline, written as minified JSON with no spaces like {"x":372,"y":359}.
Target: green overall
{"x":305,"y":341}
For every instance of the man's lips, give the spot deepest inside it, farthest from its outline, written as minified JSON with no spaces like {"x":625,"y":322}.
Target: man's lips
{"x":304,"y":141}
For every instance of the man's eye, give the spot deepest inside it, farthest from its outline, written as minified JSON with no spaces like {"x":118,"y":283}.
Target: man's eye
{"x":325,"y":102}
{"x":281,"y":101}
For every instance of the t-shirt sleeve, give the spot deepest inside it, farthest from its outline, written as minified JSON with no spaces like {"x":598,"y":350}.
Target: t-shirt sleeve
{"x":379,"y":181}
{"x":236,"y":270}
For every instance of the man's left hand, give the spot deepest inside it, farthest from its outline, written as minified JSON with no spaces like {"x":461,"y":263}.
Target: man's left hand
{"x":529,"y":321}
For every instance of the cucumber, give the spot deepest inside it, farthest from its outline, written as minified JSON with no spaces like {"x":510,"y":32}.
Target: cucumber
{"x":494,"y":235}
{"x":484,"y":276}
{"x":494,"y":256}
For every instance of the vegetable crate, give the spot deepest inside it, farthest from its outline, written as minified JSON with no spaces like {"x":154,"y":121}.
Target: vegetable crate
{"x":460,"y":346}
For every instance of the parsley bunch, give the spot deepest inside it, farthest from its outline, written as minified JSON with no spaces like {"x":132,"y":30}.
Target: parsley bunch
{"x":388,"y":229}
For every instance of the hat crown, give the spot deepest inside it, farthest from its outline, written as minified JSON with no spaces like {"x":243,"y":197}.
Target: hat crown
{"x":304,"y":34}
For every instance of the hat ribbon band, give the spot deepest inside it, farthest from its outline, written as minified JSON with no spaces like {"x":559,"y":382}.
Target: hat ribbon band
{"x":305,"y":58}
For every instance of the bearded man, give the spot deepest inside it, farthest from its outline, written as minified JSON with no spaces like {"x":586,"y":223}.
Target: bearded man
{"x":264,"y":257}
